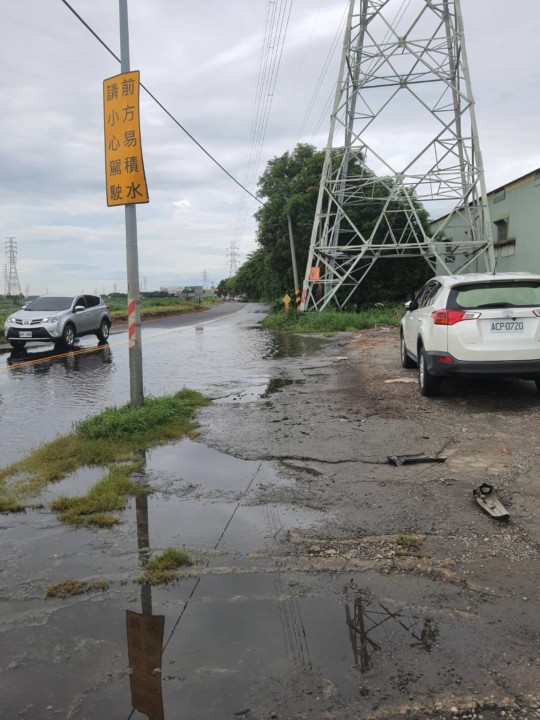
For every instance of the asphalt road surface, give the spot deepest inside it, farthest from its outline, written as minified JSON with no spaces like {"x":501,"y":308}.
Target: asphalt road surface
{"x":328,"y":584}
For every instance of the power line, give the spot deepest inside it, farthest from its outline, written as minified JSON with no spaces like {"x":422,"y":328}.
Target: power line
{"x":154,"y":98}
{"x":275,"y":32}
{"x":322,"y":75}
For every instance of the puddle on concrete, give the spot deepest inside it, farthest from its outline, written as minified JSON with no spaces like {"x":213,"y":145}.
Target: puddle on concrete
{"x":242,"y":634}
{"x":263,"y":389}
{"x":276,"y":384}
{"x":196,"y":464}
{"x":79,"y":483}
{"x":200,"y":492}
{"x":291,"y":345}
{"x":245,"y":394}
{"x":203,"y":499}
{"x":267,"y":642}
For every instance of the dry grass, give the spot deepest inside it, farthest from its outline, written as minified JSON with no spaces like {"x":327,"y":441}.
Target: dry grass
{"x":69,"y":588}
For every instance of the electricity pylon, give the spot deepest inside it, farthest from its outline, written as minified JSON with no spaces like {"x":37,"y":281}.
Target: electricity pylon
{"x":232,"y":255}
{"x":403,"y":136}
{"x":11,"y":277}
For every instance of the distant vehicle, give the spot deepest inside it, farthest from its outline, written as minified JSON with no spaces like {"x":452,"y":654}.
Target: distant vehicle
{"x":473,"y":325}
{"x":241,"y":298}
{"x":59,"y":319}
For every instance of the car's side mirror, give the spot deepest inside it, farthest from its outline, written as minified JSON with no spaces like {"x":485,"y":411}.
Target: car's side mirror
{"x":78,"y":308}
{"x":411,"y":305}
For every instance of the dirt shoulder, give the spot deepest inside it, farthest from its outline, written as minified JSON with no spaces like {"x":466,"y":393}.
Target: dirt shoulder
{"x":408,"y":537}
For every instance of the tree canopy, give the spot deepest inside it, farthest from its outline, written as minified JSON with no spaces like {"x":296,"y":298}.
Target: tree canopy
{"x":290,"y":186}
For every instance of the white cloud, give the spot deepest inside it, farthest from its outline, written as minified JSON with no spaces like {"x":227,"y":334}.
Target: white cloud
{"x":181,"y":204}
{"x":201,"y":61}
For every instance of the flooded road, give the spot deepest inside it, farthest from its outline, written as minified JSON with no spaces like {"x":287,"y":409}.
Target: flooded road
{"x":325,"y":585}
{"x":222,"y":353}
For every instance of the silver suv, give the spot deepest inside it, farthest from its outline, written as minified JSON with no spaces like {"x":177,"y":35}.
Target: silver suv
{"x":58,"y":319}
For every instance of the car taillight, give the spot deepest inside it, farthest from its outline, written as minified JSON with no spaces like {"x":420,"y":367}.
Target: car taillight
{"x":451,"y":317}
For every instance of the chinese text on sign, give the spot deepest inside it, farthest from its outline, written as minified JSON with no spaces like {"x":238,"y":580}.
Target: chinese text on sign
{"x":124,"y":168}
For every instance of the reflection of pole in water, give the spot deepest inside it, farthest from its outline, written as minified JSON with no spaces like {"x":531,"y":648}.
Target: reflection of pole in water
{"x":143,"y":543}
{"x":145,"y":633}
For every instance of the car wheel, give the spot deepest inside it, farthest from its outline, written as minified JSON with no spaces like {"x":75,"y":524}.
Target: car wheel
{"x":103,"y":332}
{"x":430,"y":385}
{"x":68,"y":336}
{"x":406,"y":361}
{"x":18,"y":344}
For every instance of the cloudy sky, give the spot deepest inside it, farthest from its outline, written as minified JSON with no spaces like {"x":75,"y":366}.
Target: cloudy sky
{"x":202,"y":61}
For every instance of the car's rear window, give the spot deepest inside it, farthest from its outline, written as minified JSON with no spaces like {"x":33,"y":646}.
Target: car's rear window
{"x":495,"y":294}
{"x":50,"y":303}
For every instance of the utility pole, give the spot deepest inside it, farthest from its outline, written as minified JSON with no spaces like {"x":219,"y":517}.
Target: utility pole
{"x":295,"y":271}
{"x":132,"y":255}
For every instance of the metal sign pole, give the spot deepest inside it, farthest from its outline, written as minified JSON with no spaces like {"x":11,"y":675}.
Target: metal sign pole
{"x":132,"y":256}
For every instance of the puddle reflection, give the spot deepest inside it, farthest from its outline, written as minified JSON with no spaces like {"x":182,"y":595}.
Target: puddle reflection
{"x":290,"y":345}
{"x":366,"y":620}
{"x":77,"y":359}
{"x":145,"y":634}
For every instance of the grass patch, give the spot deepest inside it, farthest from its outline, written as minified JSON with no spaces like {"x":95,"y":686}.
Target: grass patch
{"x":163,"y":568}
{"x":409,"y":542}
{"x":10,"y":505}
{"x":69,"y":588}
{"x":106,"y":496}
{"x":158,"y":311}
{"x":114,"y":436}
{"x":411,"y":545}
{"x":159,"y":419}
{"x":331,"y":321}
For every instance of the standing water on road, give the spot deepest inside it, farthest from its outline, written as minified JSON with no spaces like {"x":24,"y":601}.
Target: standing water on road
{"x":43,"y":392}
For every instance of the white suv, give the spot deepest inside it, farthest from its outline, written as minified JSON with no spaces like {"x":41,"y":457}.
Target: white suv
{"x":476,"y":325}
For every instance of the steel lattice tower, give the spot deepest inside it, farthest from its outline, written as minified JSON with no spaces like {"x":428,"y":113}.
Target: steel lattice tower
{"x":11,"y":277}
{"x":403,"y":75}
{"x":232,"y":255}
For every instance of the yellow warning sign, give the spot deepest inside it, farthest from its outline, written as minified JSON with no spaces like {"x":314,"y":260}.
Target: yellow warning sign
{"x":286,"y":298}
{"x":124,"y":168}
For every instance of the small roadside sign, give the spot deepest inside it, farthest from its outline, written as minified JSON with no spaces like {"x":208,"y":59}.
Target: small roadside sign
{"x":124,"y":168}
{"x":286,"y":301}
{"x":314,"y":274}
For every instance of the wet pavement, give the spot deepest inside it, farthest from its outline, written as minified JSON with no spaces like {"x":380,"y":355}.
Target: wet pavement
{"x":222,"y":352}
{"x":301,"y":602}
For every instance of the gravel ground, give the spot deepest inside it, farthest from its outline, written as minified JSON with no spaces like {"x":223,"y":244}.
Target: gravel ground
{"x":330,"y":421}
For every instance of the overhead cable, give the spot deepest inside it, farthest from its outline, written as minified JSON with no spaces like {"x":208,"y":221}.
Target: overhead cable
{"x":154,"y":98}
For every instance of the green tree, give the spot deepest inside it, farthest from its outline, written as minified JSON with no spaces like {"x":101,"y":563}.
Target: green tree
{"x":290,"y":186}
